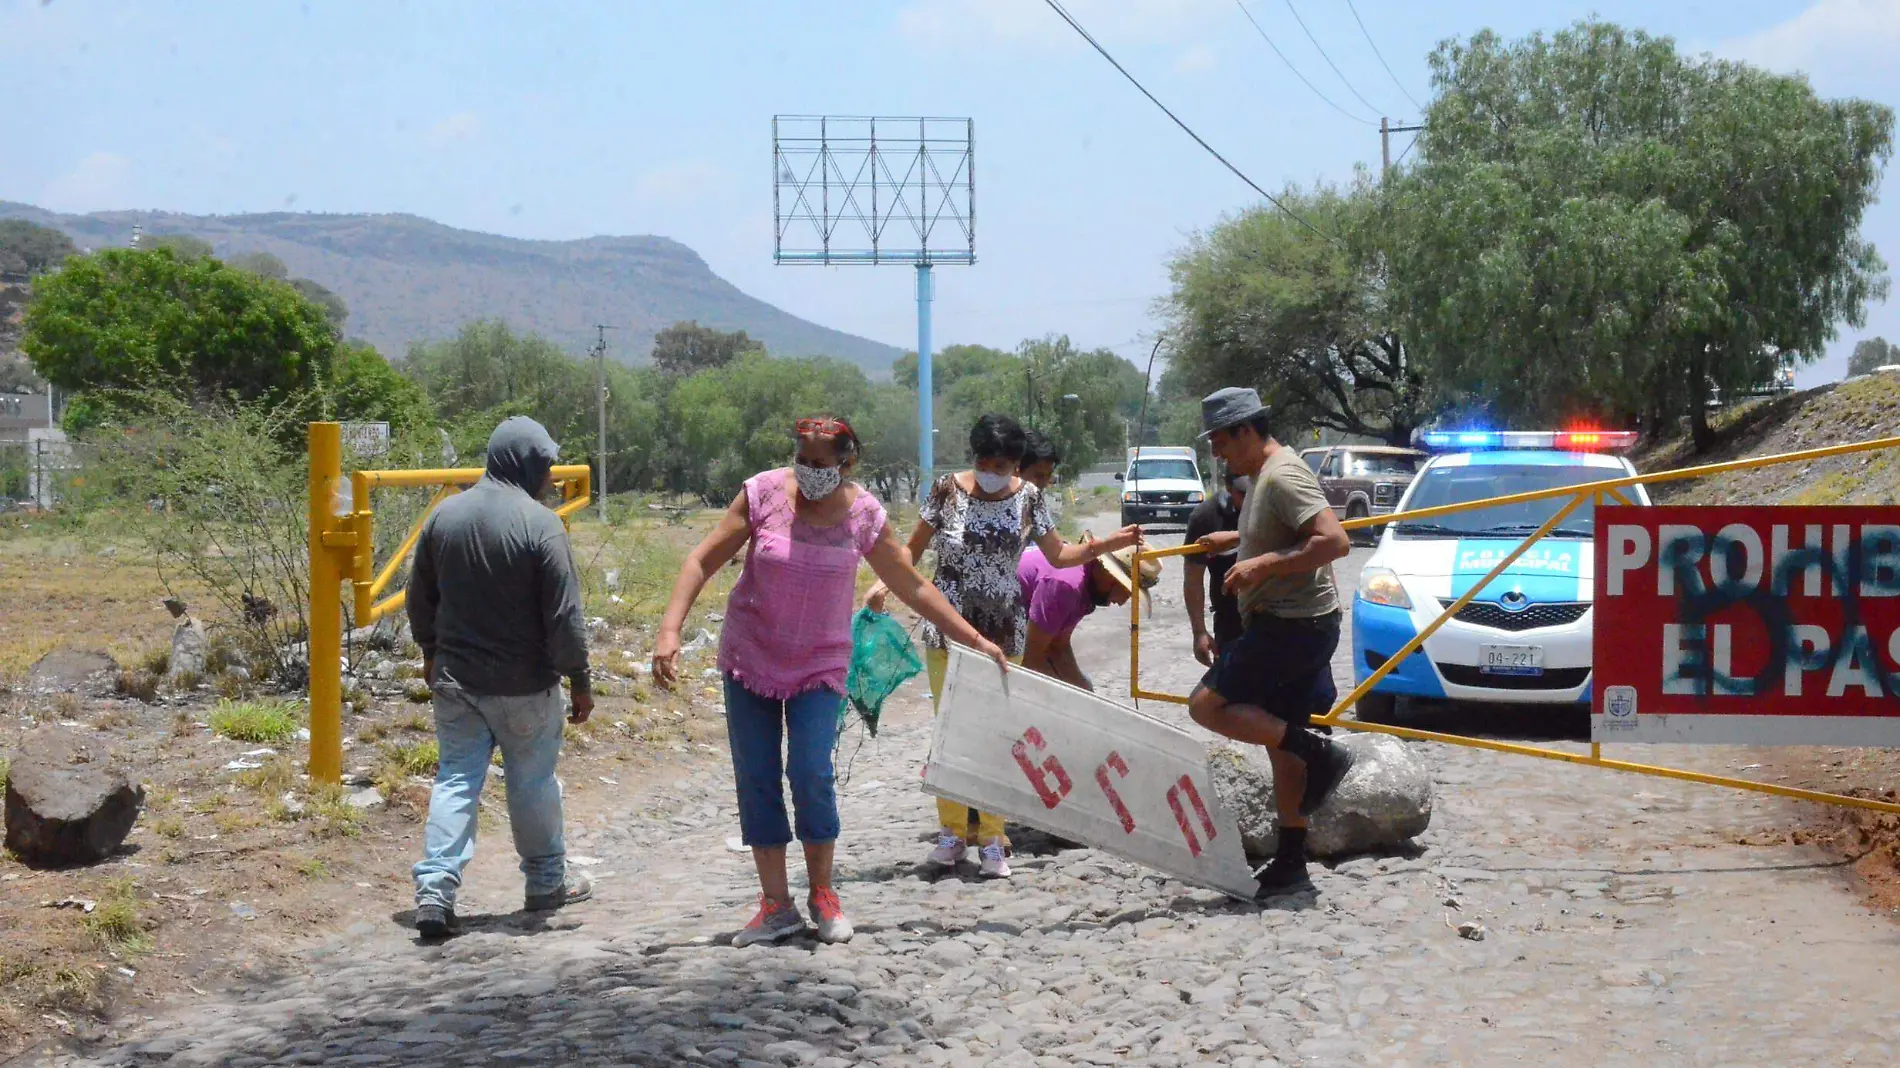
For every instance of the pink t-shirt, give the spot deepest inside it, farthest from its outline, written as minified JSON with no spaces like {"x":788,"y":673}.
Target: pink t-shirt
{"x":1057,"y":598}
{"x":788,"y":621}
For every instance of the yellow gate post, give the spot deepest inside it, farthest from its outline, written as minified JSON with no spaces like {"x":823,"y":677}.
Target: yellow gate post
{"x":326,"y":607}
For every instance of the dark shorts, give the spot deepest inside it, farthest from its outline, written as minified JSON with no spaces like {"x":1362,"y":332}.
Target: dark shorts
{"x":1284,"y":666}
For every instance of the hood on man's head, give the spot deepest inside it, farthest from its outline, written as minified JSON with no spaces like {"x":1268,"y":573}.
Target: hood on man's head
{"x":521,"y":453}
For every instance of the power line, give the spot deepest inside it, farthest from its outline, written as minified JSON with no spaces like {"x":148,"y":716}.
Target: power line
{"x":1296,"y":71}
{"x":1057,"y":7}
{"x":1329,"y":60}
{"x":1381,"y":55}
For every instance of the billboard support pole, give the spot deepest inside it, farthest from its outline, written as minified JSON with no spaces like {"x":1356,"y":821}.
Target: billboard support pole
{"x":926,"y":453}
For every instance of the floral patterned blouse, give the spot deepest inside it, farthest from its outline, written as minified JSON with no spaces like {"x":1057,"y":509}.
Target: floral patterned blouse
{"x":979,"y":543}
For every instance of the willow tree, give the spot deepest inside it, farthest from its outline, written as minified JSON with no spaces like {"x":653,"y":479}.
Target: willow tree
{"x":1602,"y":226}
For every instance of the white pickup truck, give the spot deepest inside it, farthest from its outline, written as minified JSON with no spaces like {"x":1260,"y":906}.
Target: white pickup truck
{"x":1162,"y":485}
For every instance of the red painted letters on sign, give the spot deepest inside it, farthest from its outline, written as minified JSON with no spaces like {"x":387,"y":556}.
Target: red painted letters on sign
{"x":1114,"y":799}
{"x":1186,"y":785}
{"x":1042,"y":777}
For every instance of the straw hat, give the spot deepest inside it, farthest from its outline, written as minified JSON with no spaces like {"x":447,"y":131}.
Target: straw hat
{"x":1120,"y":566}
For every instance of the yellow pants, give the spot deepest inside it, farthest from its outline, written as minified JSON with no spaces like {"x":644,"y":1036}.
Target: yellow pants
{"x":954,"y":817}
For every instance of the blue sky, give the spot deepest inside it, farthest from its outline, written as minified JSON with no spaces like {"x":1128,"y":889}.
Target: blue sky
{"x":561,"y":120}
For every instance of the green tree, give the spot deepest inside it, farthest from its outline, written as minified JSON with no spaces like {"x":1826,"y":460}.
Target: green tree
{"x":735,"y":421}
{"x":333,"y":307}
{"x":1264,"y":300}
{"x":1032,"y":385}
{"x":121,"y":322}
{"x":488,"y":372}
{"x":36,"y":248}
{"x":689,"y":348}
{"x":183,"y":246}
{"x":361,"y":385}
{"x":1602,"y":226}
{"x":1870,"y":353}
{"x":262,"y":264}
{"x":887,"y":426}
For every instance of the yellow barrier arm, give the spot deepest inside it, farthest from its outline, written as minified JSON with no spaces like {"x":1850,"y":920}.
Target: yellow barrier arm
{"x":1457,"y":606}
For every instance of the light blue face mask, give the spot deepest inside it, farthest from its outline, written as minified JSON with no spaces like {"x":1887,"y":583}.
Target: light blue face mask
{"x":989,"y":482}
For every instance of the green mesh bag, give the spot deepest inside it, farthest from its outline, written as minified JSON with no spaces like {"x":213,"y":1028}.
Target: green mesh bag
{"x":882,"y":659}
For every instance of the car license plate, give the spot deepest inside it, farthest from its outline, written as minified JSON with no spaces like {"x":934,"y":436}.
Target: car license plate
{"x":1511,"y":659}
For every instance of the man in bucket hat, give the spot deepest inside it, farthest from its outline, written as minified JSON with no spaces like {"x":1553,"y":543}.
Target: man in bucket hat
{"x":1269,"y":682}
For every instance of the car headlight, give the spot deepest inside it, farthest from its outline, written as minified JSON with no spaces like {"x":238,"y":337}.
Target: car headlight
{"x":1196,"y":496}
{"x":1380,"y":585}
{"x":1128,"y":496}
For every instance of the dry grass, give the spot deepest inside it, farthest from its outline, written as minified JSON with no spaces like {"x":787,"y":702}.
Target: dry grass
{"x":331,"y":815}
{"x":276,"y":777}
{"x":418,"y":692}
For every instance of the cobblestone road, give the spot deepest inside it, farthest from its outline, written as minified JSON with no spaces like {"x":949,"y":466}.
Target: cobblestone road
{"x":1624,"y":927}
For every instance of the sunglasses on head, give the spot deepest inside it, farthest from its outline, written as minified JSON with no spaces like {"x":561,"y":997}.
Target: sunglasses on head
{"x":827,"y":428}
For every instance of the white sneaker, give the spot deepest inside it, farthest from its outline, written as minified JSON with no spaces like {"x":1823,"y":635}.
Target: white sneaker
{"x":949,"y":851}
{"x":832,"y":925}
{"x":995,"y":864}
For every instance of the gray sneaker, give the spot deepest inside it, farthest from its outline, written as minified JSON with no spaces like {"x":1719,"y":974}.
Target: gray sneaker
{"x":576,"y":888}
{"x":776,"y":921}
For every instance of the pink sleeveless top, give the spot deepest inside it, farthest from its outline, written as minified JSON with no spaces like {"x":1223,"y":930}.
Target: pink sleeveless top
{"x":788,"y":621}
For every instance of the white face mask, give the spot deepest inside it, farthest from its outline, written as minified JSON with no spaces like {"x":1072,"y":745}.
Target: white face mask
{"x":989,"y":482}
{"x":817,"y":483}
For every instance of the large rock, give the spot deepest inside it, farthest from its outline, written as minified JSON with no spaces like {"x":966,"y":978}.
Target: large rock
{"x":65,"y":804}
{"x":1385,"y":802}
{"x":71,"y":671}
{"x":189,"y":649}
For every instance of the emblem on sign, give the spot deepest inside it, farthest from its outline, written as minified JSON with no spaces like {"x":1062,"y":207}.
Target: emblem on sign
{"x":1619,"y":708}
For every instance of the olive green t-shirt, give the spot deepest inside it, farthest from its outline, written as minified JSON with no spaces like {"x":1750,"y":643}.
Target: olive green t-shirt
{"x":1286,"y":496}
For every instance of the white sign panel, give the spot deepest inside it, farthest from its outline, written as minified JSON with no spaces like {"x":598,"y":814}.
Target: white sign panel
{"x":366,"y":440}
{"x":1072,"y":763}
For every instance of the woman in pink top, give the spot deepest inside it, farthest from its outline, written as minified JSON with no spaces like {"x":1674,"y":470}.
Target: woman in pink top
{"x":786,"y":650}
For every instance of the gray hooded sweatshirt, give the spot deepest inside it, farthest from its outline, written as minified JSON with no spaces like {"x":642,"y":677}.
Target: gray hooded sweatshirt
{"x":494,"y":595}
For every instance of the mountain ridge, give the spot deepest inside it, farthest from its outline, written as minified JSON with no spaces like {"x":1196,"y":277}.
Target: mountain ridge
{"x":408,"y":279}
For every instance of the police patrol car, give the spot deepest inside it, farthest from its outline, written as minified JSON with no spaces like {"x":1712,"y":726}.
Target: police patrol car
{"x":1525,"y":638}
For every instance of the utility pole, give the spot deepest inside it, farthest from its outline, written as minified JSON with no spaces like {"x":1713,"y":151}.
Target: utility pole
{"x":600,"y":381}
{"x":1386,"y":130}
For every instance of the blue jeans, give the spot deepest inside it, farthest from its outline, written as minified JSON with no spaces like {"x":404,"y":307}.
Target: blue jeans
{"x":468,"y":727}
{"x":755,"y":726}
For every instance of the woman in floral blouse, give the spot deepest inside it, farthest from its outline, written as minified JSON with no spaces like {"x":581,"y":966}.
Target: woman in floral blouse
{"x":980,"y":521}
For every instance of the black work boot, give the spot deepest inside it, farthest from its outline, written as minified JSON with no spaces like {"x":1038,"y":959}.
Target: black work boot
{"x":435,"y":921}
{"x":1324,"y":776}
{"x":1287,"y":873}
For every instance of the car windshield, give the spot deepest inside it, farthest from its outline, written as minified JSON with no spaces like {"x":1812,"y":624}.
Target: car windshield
{"x":1152,"y":469}
{"x":1372,"y":465}
{"x":1456,"y":485}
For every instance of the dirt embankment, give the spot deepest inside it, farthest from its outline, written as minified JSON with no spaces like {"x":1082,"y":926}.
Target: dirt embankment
{"x":1860,"y":409}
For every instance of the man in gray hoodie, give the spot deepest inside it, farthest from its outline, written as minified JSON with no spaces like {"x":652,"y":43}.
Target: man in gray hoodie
{"x":495,"y":603}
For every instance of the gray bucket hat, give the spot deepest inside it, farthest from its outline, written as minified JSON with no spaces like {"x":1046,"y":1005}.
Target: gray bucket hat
{"x":1229,"y":407}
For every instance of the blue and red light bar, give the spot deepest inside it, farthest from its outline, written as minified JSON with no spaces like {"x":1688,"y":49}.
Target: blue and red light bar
{"x":1564,"y":440}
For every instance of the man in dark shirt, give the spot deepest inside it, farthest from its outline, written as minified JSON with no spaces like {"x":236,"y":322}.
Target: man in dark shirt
{"x":495,"y":603}
{"x":1219,"y":513}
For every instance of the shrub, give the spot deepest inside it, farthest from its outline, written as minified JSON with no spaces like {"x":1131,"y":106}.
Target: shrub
{"x":138,"y":684}
{"x":414,"y":758}
{"x":116,"y":922}
{"x":255,"y":721}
